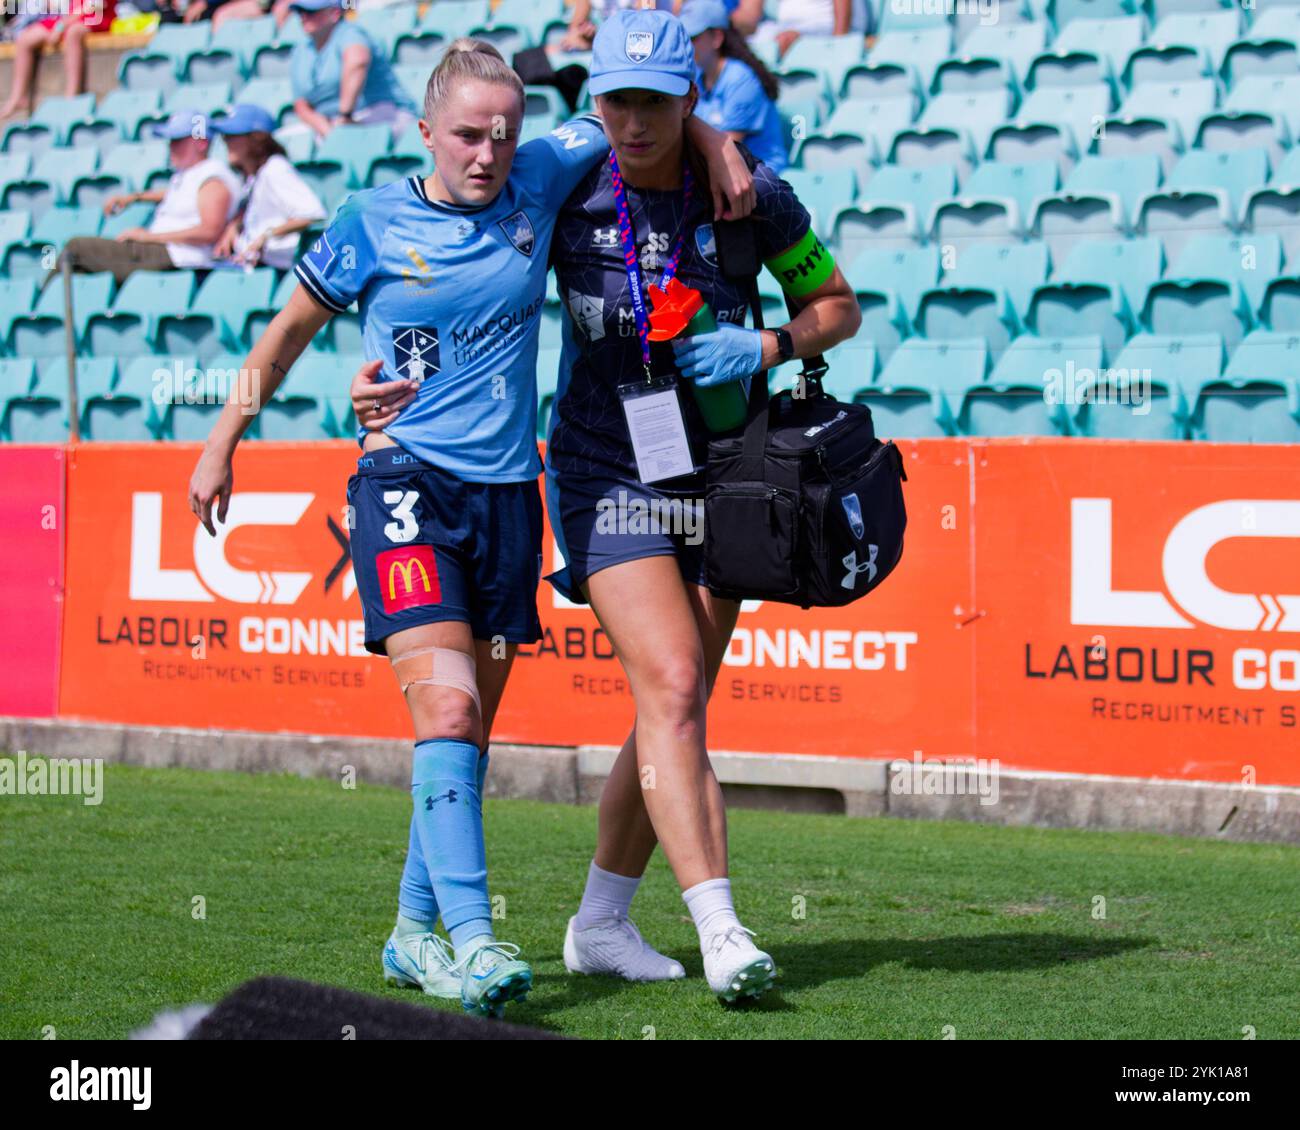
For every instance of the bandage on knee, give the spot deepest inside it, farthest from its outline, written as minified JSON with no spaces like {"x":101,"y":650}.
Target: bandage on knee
{"x":440,"y":667}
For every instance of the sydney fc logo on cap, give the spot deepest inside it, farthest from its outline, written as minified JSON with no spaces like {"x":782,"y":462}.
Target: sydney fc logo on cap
{"x":639,"y":45}
{"x":519,"y":230}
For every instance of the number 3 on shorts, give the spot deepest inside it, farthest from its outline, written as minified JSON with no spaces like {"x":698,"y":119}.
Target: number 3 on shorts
{"x":402,"y":502}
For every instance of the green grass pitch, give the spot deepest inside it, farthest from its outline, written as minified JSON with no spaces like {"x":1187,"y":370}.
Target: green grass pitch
{"x":881,"y":928}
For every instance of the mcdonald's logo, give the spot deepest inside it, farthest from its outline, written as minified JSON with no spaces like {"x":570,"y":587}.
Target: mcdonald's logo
{"x":408,"y":577}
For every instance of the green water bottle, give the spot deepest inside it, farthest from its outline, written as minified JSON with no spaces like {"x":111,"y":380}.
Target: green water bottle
{"x":722,"y":406}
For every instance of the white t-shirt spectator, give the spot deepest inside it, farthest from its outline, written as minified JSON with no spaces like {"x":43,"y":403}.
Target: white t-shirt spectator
{"x":179,"y":210}
{"x":817,"y":17}
{"x":275,"y":195}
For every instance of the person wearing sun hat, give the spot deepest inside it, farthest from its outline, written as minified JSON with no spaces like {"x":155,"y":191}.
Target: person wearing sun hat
{"x":340,"y":75}
{"x":191,"y":213}
{"x":276,"y":205}
{"x":737,"y":92}
{"x":643,"y":219}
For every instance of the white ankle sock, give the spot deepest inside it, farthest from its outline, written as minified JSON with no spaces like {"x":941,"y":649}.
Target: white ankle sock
{"x":607,"y":896}
{"x":710,"y":906}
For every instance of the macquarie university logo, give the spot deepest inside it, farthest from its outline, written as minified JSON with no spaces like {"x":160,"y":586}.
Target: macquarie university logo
{"x":1094,"y":599}
{"x":415,"y":352}
{"x":408,"y":578}
{"x":519,"y":231}
{"x":639,"y":45}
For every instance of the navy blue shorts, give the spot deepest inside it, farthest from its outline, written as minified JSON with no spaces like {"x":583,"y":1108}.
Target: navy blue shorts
{"x":608,"y":519}
{"x":429,"y":547}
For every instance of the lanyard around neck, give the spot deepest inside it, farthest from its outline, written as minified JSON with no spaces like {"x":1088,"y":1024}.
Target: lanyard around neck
{"x":628,"y":238}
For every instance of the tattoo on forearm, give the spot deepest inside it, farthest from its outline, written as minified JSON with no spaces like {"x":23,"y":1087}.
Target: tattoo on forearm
{"x":278,"y":370}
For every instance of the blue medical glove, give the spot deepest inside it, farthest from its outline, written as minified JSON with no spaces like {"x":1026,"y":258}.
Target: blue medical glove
{"x":729,"y":353}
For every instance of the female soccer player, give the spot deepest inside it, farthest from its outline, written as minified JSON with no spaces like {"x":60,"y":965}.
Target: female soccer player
{"x":647,"y":589}
{"x":449,"y":273}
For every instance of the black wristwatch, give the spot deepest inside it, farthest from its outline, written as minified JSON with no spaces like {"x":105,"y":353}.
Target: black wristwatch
{"x":784,"y":345}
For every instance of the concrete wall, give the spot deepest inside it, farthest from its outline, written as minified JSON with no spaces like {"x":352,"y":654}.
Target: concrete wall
{"x":797,"y":783}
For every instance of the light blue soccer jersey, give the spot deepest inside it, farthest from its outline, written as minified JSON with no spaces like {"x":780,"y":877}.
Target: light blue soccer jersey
{"x":452,"y":296}
{"x":738,"y":102}
{"x":315,"y":74}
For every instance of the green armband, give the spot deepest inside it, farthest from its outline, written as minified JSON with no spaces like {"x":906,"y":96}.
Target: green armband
{"x":804,"y":267}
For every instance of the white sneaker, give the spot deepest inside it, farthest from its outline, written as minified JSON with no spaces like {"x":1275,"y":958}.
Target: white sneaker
{"x":423,"y":961}
{"x":734,"y":966}
{"x":615,"y":945}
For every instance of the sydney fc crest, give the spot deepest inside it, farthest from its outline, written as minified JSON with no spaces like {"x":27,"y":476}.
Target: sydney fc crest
{"x":519,"y":231}
{"x":639,"y":45}
{"x":853,"y":512}
{"x":706,"y":244}
{"x":415,"y":352}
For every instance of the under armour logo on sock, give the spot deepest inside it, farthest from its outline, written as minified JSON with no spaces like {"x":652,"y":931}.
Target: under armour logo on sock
{"x":449,"y":796}
{"x":851,"y":564}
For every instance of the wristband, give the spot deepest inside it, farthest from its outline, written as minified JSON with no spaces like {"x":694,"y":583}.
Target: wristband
{"x":804,"y":267}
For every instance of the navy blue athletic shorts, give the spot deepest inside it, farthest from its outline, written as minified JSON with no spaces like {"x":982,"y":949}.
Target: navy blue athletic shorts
{"x":608,"y":519}
{"x":429,"y":547}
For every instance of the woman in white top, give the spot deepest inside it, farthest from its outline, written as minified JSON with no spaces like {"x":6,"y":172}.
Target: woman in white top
{"x":193,"y":210}
{"x":277,"y":204}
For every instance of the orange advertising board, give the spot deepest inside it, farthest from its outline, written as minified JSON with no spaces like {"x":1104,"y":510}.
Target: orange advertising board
{"x":1024,"y":560}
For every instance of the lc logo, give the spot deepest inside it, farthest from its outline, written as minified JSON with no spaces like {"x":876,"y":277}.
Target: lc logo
{"x":1094,"y":601}
{"x":213,"y":572}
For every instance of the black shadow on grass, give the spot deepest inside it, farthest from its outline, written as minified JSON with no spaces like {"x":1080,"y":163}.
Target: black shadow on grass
{"x":806,"y":964}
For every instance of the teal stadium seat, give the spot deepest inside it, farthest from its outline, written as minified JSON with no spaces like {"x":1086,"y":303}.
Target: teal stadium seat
{"x":1257,"y":400}
{"x":14,"y":230}
{"x":919,"y":385}
{"x":1015,"y":43}
{"x":17,"y":297}
{"x":130,"y":327}
{"x":1014,"y":268}
{"x":1015,"y":400}
{"x":893,"y":208}
{"x":108,"y":412}
{"x":1130,"y":264}
{"x":923,"y":48}
{"x":117,"y":118}
{"x":36,"y":331}
{"x":37,"y":255}
{"x":1116,"y":37}
{"x":1097,"y":202}
{"x":1280,"y":307}
{"x":40,"y":416}
{"x":189,"y":396}
{"x":230,"y":52}
{"x":910,"y":271}
{"x":1154,"y":403}
{"x":218,"y":313}
{"x":159,"y":65}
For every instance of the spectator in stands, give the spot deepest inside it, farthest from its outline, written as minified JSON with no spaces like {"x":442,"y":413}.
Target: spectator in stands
{"x":223,"y":11}
{"x":813,"y":17}
{"x":276,"y":205}
{"x":340,"y":75}
{"x":737,"y":93}
{"x":581,"y":28}
{"x":192,"y":211}
{"x":65,"y":32}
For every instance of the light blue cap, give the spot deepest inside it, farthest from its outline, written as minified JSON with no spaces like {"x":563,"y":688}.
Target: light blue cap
{"x":244,"y":118}
{"x":183,"y":123}
{"x":316,"y":5}
{"x":642,"y":50}
{"x":701,"y":15}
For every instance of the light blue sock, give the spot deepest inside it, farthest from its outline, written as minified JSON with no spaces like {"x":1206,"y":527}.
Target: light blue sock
{"x":415,"y":898}
{"x":449,"y":818}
